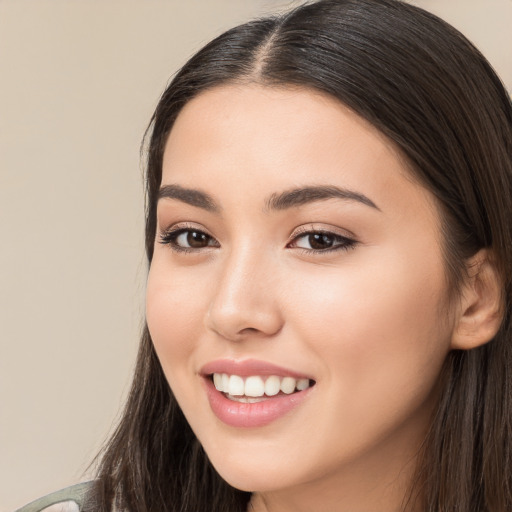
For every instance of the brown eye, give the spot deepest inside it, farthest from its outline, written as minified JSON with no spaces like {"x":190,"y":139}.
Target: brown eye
{"x":318,"y":241}
{"x":195,"y":239}
{"x":188,"y":240}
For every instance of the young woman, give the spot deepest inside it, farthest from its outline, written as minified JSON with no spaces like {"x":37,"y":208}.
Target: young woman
{"x":329,"y":294}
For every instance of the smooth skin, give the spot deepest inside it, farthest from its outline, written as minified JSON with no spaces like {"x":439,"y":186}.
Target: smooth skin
{"x":350,"y":290}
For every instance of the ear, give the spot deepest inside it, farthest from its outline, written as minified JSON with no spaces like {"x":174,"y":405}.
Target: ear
{"x":481,"y":304}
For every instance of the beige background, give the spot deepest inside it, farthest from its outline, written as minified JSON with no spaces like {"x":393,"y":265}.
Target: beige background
{"x":78,"y":82}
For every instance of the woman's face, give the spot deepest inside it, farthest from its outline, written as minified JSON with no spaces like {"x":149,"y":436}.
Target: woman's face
{"x":296,"y":255}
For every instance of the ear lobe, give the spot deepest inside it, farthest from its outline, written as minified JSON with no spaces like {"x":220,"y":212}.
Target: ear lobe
{"x":481,"y":304}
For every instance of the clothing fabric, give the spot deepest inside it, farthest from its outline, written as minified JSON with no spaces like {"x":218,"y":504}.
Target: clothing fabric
{"x":70,"y":499}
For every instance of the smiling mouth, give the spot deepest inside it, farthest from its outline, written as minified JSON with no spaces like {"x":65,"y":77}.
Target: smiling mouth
{"x":256,"y":388}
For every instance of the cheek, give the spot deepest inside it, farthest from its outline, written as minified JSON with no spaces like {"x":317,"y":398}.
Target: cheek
{"x":380,"y":332}
{"x":174,"y":314}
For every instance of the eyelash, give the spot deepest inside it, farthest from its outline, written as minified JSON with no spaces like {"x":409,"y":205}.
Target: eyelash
{"x":170,"y":238}
{"x":339,"y":242}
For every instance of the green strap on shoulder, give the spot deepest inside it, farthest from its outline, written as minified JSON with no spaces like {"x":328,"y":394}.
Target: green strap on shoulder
{"x":74,"y":493}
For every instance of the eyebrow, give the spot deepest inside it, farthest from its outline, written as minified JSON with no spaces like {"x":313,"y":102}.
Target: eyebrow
{"x":282,"y":201}
{"x":190,"y":196}
{"x":303,"y":195}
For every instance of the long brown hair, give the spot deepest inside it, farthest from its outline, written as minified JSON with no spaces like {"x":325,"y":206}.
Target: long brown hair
{"x":423,"y":85}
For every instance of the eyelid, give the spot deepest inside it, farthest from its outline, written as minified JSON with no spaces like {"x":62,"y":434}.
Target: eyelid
{"x":169,"y":235}
{"x":321,"y":228}
{"x":344,"y":241}
{"x":184,"y":225}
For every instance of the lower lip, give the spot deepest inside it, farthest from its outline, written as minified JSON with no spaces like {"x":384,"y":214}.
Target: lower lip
{"x":246,"y":415}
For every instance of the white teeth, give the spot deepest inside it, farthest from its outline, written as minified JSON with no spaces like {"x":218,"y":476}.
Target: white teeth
{"x":236,"y":385}
{"x":246,"y":399}
{"x":254,"y":386}
{"x":272,"y":385}
{"x":288,"y":385}
{"x":217,"y":381}
{"x":302,"y":384}
{"x":224,"y":383}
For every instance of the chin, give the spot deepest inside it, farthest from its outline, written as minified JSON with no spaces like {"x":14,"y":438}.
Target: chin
{"x":256,"y":467}
{"x":249,"y":478}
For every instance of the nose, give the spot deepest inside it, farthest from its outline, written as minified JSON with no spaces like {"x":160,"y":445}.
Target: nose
{"x":245,"y":302}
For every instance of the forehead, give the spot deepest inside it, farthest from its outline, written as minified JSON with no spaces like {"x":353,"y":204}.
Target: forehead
{"x":257,"y":109}
{"x":252,"y":134}
{"x":295,"y":130}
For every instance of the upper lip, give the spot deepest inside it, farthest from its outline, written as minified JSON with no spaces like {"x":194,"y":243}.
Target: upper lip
{"x":248,"y":367}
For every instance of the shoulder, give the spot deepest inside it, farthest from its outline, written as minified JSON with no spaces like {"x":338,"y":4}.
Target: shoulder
{"x":70,"y":499}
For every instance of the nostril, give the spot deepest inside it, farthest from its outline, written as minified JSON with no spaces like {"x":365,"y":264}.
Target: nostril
{"x":249,"y":330}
